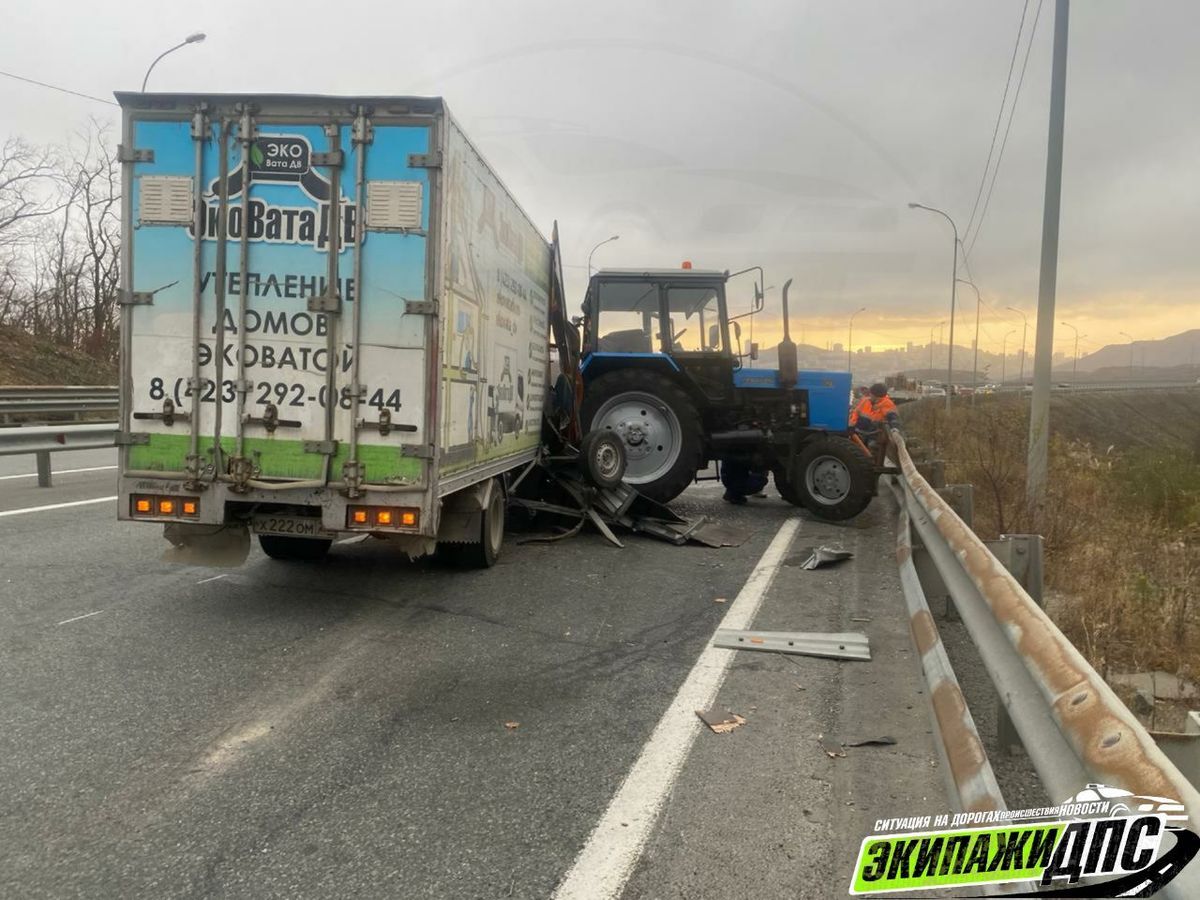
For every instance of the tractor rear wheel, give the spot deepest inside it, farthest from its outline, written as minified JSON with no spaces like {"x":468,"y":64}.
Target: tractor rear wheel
{"x":833,"y":478}
{"x":658,"y":424}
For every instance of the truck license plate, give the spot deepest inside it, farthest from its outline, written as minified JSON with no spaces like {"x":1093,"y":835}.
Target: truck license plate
{"x":291,"y":526}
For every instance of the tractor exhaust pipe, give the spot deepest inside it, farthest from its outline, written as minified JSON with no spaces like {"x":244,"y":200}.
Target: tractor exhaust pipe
{"x":788,"y":367}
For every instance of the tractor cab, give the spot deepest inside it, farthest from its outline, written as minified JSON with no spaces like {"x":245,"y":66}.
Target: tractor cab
{"x":669,"y":320}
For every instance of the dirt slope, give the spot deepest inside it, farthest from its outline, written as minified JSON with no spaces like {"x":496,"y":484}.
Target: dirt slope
{"x":28,"y":360}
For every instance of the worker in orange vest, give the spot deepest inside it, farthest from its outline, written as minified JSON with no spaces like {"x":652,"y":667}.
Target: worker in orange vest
{"x":872,"y":417}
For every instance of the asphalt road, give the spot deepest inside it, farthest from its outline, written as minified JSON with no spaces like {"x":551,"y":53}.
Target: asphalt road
{"x":336,"y":730}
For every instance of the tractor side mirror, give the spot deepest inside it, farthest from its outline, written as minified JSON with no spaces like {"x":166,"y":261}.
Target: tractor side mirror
{"x":714,"y":337}
{"x":754,"y":350}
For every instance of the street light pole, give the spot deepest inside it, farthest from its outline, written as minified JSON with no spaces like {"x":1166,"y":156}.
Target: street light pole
{"x":975,"y":363}
{"x":1024,"y":330}
{"x":1130,"y":336}
{"x":1075,"y":362}
{"x":609,"y":240}
{"x":1004,"y":357}
{"x":190,"y":39}
{"x":953,"y":288}
{"x":850,"y":339}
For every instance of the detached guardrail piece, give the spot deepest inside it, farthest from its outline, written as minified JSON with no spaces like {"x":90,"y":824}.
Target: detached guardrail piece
{"x":838,"y":645}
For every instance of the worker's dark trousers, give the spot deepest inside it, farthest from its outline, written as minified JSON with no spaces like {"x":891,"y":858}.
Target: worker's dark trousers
{"x":740,"y":480}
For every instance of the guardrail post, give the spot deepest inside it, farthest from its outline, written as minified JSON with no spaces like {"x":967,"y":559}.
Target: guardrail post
{"x":961,"y":498}
{"x":933,"y":471}
{"x":1021,"y":554}
{"x":43,"y":468}
{"x":1183,"y":749}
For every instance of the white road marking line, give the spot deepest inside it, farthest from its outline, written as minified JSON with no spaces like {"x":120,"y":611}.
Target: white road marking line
{"x":33,"y":509}
{"x":214,"y":578}
{"x":60,"y":472}
{"x":84,"y":616}
{"x":616,"y":843}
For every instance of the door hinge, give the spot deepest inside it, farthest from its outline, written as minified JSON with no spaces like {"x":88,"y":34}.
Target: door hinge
{"x":128,"y":438}
{"x":335,"y":158}
{"x":134,"y":155}
{"x":135,"y":298}
{"x":417,"y":451}
{"x":326,"y":303}
{"x":421,"y":307}
{"x":425,"y":160}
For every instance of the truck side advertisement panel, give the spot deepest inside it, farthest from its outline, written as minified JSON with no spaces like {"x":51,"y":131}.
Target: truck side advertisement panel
{"x":495,"y":352}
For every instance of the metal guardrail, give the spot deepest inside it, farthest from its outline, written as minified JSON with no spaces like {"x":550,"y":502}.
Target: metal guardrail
{"x":42,"y":440}
{"x":28,"y":402}
{"x":1074,"y":728}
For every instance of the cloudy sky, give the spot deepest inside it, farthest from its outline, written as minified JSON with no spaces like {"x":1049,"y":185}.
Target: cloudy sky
{"x":788,"y":135}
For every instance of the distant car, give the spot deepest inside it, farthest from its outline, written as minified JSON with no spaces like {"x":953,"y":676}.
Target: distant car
{"x":1063,"y":384}
{"x":935,"y":392}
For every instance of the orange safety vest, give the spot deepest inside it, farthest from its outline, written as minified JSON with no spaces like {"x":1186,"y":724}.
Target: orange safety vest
{"x":876,"y":410}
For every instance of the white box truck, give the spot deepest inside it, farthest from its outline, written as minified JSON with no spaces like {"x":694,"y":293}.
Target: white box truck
{"x":334,"y":320}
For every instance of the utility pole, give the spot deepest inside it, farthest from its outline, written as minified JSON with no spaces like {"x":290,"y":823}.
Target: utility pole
{"x":1004,"y":357}
{"x":975,"y":363}
{"x":1039,"y":411}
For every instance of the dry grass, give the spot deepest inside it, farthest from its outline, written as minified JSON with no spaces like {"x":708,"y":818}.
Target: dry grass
{"x":1121,"y":529}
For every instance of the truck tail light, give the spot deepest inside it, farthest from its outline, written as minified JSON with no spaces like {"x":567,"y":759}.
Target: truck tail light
{"x":156,"y":506}
{"x":382,"y":517}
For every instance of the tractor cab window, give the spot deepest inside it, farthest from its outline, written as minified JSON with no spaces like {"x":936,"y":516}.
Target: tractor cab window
{"x":629,"y":318}
{"x":695,"y":319}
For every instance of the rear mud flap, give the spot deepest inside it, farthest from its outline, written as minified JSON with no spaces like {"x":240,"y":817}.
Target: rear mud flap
{"x":222,"y":546}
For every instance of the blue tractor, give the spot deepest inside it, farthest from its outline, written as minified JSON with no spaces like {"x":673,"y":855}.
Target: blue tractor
{"x":663,"y":370}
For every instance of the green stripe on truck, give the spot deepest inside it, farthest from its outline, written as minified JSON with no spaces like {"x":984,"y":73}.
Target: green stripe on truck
{"x":278,"y":458}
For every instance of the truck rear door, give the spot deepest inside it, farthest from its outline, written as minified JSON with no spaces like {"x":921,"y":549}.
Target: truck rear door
{"x":278,"y":324}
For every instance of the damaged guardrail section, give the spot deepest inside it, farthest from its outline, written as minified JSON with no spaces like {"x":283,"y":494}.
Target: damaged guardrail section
{"x":1109,"y":745}
{"x":971,"y":775}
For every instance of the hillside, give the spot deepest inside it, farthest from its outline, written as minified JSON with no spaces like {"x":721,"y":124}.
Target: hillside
{"x":1122,"y":420}
{"x":25,"y":359}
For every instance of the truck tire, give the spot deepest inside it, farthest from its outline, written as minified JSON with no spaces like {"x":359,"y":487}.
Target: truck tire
{"x":481,"y":554}
{"x":833,"y":478}
{"x":602,"y":458}
{"x":785,"y":488}
{"x":657,"y":423}
{"x":277,"y":546}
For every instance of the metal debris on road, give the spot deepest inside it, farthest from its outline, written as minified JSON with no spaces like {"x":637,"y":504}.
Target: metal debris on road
{"x":816,"y":557}
{"x":884,"y":740}
{"x":838,"y":645}
{"x":720,"y":722}
{"x":512,"y":726}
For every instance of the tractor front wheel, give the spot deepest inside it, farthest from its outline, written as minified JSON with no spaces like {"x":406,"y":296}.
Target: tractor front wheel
{"x":833,"y":478}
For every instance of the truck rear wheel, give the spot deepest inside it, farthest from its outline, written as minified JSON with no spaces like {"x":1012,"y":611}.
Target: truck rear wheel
{"x":657,"y":423}
{"x":833,"y":478}
{"x":481,"y":554}
{"x":277,"y":546}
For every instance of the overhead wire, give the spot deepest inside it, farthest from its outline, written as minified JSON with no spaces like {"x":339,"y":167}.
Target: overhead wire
{"x":1007,"y":128}
{"x":55,"y":87}
{"x":999,"y":116}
